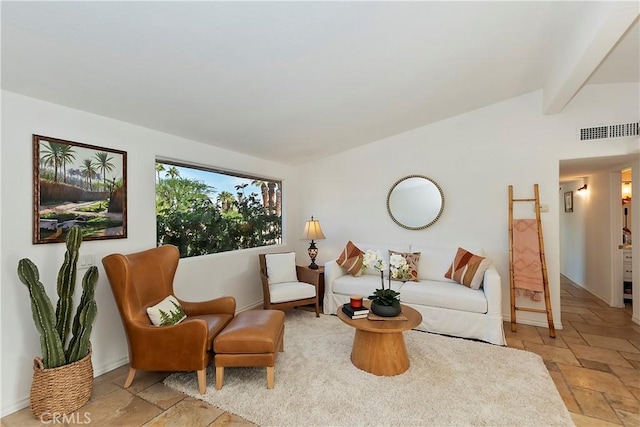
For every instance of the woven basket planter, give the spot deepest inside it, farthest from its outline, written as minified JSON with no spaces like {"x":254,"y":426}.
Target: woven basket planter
{"x":60,"y":390}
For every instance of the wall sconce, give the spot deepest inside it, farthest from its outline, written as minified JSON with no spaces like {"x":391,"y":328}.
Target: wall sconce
{"x":626,"y":191}
{"x":584,"y":187}
{"x":312,"y":231}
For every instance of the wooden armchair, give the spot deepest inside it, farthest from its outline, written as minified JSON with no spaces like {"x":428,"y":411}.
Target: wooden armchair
{"x":291,"y":286}
{"x":143,"y":279}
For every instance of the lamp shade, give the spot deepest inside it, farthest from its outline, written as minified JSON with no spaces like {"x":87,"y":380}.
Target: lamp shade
{"x":312,"y":230}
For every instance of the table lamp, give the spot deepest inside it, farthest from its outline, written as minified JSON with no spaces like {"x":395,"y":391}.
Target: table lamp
{"x":312,"y":231}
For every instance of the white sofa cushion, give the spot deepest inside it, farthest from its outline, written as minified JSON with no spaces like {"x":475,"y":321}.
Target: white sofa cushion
{"x":281,"y":268}
{"x":384,"y":251}
{"x":291,"y":291}
{"x":444,"y":295}
{"x":363,"y":285}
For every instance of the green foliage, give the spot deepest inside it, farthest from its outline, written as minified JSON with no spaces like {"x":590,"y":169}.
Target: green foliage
{"x":96,"y":207}
{"x":67,"y":282}
{"x":187,"y":217}
{"x":43,"y":315}
{"x":385,"y":297}
{"x":173,"y":317}
{"x":54,"y":328}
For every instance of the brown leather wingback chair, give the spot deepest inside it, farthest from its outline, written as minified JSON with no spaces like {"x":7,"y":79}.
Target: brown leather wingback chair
{"x":143,"y":279}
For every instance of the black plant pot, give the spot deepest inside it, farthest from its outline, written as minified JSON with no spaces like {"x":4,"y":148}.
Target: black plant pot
{"x":385,"y":310}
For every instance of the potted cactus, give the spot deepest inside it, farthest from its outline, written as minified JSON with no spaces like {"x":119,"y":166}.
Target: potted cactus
{"x":63,"y":375}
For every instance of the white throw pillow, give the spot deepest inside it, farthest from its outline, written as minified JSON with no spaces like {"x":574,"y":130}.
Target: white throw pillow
{"x":167,"y":312}
{"x":281,"y":268}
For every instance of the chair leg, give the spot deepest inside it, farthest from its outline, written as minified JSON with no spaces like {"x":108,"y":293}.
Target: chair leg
{"x":270,"y":376}
{"x":219,"y":377}
{"x":129,"y":380}
{"x":317,"y":308}
{"x":202,"y":380}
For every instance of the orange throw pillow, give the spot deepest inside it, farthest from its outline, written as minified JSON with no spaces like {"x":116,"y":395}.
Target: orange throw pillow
{"x":351,"y":259}
{"x":468,"y":269}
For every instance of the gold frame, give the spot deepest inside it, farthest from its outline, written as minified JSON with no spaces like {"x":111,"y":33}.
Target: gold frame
{"x":421,"y":227}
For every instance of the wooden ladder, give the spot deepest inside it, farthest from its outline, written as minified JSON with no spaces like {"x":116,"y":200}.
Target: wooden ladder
{"x":545,"y":279}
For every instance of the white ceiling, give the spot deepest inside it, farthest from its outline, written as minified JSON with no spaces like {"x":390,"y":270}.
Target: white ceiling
{"x":296,"y":81}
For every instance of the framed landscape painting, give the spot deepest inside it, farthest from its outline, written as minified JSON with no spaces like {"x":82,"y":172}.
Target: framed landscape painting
{"x":78,"y":184}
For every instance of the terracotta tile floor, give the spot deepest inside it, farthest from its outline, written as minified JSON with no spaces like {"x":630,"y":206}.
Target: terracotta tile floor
{"x":594,"y":361}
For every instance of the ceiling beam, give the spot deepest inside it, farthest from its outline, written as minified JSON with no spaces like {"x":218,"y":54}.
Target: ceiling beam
{"x":587,"y":47}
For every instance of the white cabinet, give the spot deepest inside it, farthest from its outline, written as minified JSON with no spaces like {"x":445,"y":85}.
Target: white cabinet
{"x":626,"y":272}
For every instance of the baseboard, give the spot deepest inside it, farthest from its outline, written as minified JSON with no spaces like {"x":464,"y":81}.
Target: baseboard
{"x":635,"y":320}
{"x":110,"y":366}
{"x":533,"y":322}
{"x":251,"y":306}
{"x":14,"y":407}
{"x":594,"y":294}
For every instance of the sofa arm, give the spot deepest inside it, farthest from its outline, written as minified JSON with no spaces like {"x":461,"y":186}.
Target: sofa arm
{"x":492,"y":286}
{"x":332,"y":271}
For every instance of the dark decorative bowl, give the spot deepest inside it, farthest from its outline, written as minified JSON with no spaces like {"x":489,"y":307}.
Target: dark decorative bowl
{"x":385,"y":310}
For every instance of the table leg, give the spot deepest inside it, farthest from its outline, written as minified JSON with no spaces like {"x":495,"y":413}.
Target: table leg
{"x":380,"y":354}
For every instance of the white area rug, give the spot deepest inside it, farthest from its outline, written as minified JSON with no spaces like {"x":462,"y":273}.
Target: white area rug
{"x":450,"y":382}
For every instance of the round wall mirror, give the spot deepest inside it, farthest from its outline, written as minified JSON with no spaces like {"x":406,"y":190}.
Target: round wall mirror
{"x":415,"y":202}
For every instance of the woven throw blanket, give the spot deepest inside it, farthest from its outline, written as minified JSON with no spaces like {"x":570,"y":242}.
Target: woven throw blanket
{"x":527,"y":266}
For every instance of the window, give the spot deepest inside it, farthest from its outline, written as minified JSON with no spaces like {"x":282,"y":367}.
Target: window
{"x":204,"y":211}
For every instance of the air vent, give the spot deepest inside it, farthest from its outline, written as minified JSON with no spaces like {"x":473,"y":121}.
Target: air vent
{"x":608,"y":131}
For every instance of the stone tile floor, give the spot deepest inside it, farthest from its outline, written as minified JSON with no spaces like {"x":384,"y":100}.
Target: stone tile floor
{"x":594,"y":362}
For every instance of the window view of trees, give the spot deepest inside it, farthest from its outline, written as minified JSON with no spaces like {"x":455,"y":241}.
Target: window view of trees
{"x":205,"y":211}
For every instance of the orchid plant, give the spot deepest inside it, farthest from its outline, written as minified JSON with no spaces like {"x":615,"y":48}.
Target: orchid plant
{"x":373,"y":260}
{"x":398,"y":266}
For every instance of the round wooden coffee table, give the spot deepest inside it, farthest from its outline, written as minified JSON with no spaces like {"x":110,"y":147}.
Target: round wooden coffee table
{"x":378,"y":345}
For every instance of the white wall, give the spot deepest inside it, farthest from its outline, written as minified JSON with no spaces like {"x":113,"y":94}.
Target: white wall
{"x":474,"y":157}
{"x":201,"y":278}
{"x":573,"y":229}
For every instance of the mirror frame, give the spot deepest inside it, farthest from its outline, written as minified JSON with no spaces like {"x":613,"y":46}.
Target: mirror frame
{"x":421,"y":227}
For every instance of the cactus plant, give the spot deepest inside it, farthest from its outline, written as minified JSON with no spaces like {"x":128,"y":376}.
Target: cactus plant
{"x":54,"y":328}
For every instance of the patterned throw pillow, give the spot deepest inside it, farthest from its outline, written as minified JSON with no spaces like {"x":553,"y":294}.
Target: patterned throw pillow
{"x":468,"y":269}
{"x":351,"y":259}
{"x":412,"y":258}
{"x":167,"y":312}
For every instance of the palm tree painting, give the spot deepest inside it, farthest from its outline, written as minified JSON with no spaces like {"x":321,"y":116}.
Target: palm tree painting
{"x":78,"y":184}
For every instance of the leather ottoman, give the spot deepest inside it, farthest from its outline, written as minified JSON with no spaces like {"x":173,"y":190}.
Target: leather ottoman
{"x":252,"y":338}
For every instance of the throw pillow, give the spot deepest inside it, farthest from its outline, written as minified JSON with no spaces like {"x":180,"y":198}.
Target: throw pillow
{"x":413,"y":259}
{"x":468,"y":269}
{"x":351,"y":259}
{"x":281,"y":268}
{"x":167,"y":312}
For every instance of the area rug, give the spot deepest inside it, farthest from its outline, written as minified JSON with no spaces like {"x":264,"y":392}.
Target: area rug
{"x":451,"y":382}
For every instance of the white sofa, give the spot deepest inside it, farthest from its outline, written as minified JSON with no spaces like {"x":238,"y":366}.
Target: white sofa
{"x":447,"y":307}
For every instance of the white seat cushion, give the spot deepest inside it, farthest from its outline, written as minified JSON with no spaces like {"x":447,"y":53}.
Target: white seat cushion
{"x":449,"y":295}
{"x":291,"y":291}
{"x":364,"y":285}
{"x":281,"y":268}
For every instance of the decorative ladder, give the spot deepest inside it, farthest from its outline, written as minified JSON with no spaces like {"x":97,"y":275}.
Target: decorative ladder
{"x":545,"y":280}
